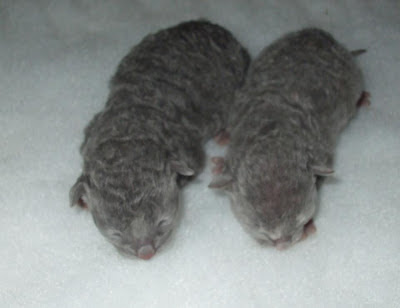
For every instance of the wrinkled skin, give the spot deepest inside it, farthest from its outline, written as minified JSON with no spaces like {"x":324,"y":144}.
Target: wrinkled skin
{"x":299,"y":94}
{"x":135,"y":214}
{"x":274,"y":209}
{"x":168,"y":96}
{"x":142,"y":229}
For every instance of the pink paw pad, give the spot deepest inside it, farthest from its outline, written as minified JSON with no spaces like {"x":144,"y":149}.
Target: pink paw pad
{"x":82,"y":204}
{"x":364,"y":99}
{"x":222,"y":138}
{"x":309,"y":228}
{"x":219,"y":165}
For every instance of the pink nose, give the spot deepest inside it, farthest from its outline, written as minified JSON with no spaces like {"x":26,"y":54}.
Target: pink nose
{"x":146,"y":252}
{"x":282,"y":243}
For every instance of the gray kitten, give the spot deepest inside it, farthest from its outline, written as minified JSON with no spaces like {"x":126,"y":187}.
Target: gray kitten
{"x":300,"y":93}
{"x":168,"y":96}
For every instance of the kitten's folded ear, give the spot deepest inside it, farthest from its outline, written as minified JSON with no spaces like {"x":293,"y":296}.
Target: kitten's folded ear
{"x":78,"y":192}
{"x":321,"y":170}
{"x":181,"y":168}
{"x":319,"y":166}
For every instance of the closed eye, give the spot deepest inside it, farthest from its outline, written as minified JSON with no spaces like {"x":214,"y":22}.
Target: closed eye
{"x":163,"y":227}
{"x":114,"y":235}
{"x":163,"y":223}
{"x":263,"y":235}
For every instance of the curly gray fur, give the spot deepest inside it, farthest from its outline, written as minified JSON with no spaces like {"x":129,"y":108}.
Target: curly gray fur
{"x":168,"y":96}
{"x":301,"y":91}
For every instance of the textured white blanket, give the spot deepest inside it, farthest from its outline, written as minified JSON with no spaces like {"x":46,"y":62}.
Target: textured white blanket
{"x":55,"y":61}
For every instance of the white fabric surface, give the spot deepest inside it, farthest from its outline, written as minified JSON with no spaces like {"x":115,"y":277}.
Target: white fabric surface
{"x":55,"y":60}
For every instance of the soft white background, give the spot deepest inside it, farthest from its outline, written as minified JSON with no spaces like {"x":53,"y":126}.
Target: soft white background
{"x":55,"y":60}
